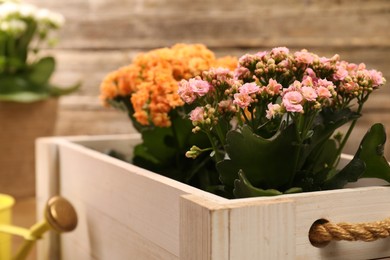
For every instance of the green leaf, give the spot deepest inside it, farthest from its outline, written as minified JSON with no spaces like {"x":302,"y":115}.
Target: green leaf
{"x":41,"y":71}
{"x":154,"y":146}
{"x":327,"y":156}
{"x":60,"y":91}
{"x":327,"y":122}
{"x":371,"y":151}
{"x":115,"y":154}
{"x":11,"y":84}
{"x":350,"y":173}
{"x":24,"y":97}
{"x":244,"y":189}
{"x":267,"y":163}
{"x":293,"y":190}
{"x":143,"y":156}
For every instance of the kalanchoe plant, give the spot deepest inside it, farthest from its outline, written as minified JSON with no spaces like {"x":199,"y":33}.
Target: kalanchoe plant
{"x":24,"y":72}
{"x":146,"y":90}
{"x":272,"y":123}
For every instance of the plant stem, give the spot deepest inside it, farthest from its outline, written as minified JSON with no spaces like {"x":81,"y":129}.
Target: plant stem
{"x":299,"y":124}
{"x":220,"y":134}
{"x":218,"y":157}
{"x":351,"y":127}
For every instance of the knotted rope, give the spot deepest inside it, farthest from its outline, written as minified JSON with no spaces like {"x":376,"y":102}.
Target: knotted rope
{"x":322,"y":231}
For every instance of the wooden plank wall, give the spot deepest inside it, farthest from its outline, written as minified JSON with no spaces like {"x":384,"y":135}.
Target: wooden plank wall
{"x":102,"y":35}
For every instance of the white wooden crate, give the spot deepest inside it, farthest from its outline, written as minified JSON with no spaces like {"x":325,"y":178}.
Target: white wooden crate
{"x":126,"y":212}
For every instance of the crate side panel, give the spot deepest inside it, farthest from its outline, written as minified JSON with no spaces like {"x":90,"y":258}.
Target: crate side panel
{"x":348,"y":205}
{"x":264,"y":230}
{"x":146,"y":206}
{"x":100,"y":236}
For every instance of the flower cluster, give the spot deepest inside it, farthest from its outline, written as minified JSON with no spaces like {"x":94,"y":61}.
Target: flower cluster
{"x":24,"y":29}
{"x":276,"y":84}
{"x":295,"y":99}
{"x":150,"y":82}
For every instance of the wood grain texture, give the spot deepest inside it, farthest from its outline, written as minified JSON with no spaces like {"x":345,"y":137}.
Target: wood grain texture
{"x":47,"y":186}
{"x":152,"y":23}
{"x":262,"y":230}
{"x":142,"y":218}
{"x":204,"y":229}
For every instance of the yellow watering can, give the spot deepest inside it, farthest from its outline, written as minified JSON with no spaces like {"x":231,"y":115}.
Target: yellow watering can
{"x":59,"y":216}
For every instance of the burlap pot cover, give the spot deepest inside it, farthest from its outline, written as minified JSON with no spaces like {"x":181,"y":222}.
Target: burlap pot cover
{"x":20,"y":125}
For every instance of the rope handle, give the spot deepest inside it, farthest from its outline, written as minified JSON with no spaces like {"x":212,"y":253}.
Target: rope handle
{"x":322,"y":232}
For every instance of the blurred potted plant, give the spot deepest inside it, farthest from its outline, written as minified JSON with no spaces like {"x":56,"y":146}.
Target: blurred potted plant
{"x":28,"y":101}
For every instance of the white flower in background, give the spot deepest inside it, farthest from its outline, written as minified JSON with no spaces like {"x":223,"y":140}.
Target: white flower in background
{"x":46,"y":16}
{"x":16,"y":18}
{"x":27,"y":10}
{"x":43,"y":17}
{"x":14,"y":27}
{"x":8,"y":9}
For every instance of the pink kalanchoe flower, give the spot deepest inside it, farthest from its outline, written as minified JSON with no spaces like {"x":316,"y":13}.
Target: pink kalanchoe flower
{"x":323,"y":92}
{"x":325,"y":83}
{"x":361,"y":66}
{"x":196,"y":115}
{"x":273,"y":88}
{"x":185,"y":92}
{"x":325,"y":62}
{"x":309,"y":93}
{"x":304,"y":56}
{"x":310,"y":73}
{"x":200,"y":87}
{"x":221,"y":74}
{"x":325,"y":88}
{"x":260,"y":55}
{"x":292,"y":101}
{"x":241,"y":73}
{"x":350,"y":87}
{"x":273,"y":110}
{"x":296,"y":86}
{"x":243,"y":100}
{"x":284,"y":64}
{"x":244,"y":59}
{"x":249,"y":88}
{"x":350,"y":66}
{"x":307,"y":81}
{"x":279,"y":51}
{"x":248,"y":59}
{"x":376,"y":77}
{"x":226,"y":106}
{"x":341,"y":73}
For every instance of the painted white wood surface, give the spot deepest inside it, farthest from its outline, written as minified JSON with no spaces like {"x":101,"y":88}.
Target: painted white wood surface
{"x":122,"y":208}
{"x":130,"y":213}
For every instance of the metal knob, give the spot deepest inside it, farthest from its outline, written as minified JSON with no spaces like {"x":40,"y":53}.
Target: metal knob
{"x":60,"y":214}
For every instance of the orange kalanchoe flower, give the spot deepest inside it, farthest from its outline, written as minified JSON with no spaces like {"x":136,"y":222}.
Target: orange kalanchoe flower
{"x":151,"y":81}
